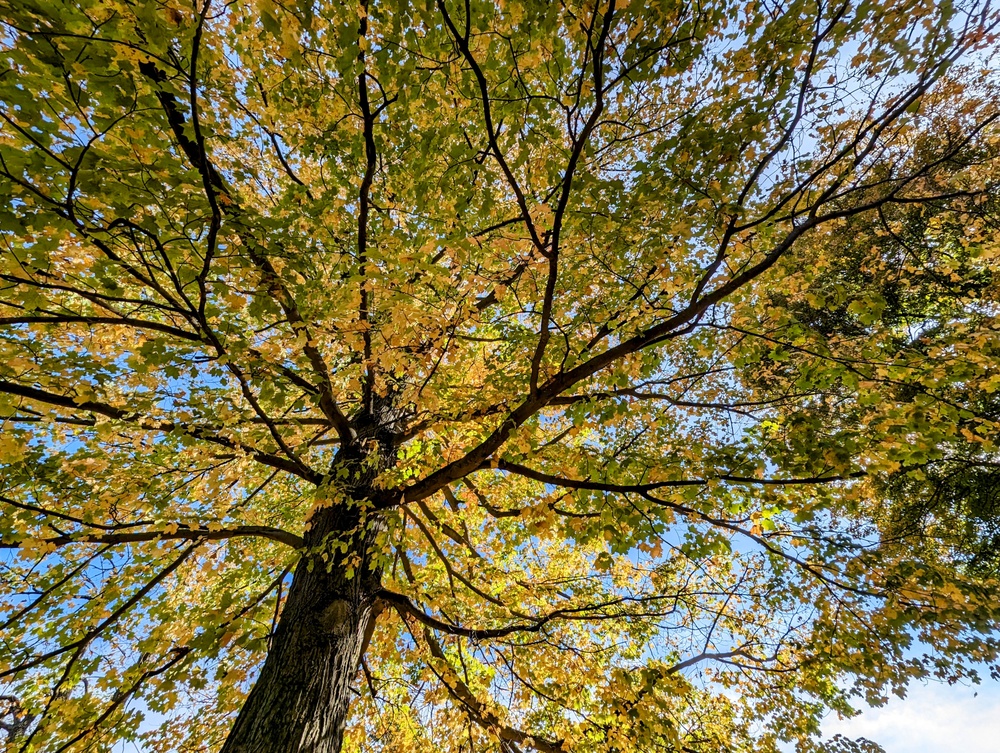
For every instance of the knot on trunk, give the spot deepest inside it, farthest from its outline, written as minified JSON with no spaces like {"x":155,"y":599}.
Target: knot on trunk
{"x":335,"y":617}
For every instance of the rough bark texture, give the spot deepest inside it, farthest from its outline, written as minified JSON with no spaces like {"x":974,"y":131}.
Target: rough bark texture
{"x":300,"y":701}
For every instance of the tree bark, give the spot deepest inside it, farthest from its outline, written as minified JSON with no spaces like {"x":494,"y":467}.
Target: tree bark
{"x":300,"y":701}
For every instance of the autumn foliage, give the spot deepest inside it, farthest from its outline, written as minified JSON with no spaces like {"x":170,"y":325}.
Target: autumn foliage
{"x":511,"y":376}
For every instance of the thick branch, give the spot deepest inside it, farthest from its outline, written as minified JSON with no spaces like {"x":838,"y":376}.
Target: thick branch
{"x":477,"y":710}
{"x":567,"y":483}
{"x":182,"y":533}
{"x":119,"y":414}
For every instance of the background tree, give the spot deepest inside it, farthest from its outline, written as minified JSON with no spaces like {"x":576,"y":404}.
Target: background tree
{"x":491,"y":376}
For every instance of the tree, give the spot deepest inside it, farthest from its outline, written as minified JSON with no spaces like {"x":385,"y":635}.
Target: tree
{"x":491,"y":376}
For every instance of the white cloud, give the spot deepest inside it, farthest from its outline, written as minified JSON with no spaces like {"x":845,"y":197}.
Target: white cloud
{"x":933,"y":718}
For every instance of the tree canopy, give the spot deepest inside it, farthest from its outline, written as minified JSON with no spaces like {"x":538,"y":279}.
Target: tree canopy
{"x":470,"y":377}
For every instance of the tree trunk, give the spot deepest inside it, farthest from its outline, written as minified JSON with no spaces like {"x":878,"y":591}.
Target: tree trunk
{"x":300,"y":701}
